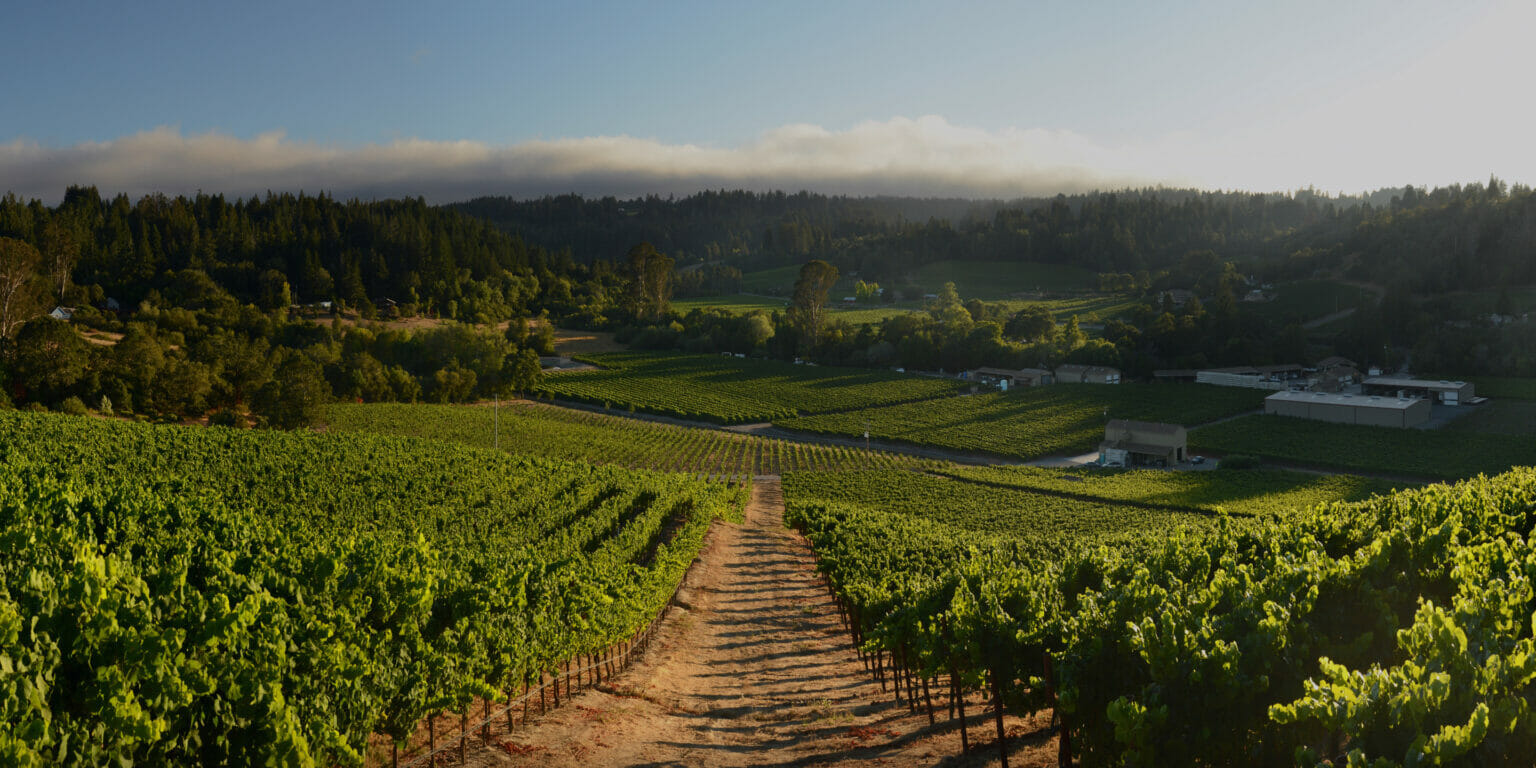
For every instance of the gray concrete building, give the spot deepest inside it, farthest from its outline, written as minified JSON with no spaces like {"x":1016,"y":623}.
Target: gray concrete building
{"x":1369,"y":410}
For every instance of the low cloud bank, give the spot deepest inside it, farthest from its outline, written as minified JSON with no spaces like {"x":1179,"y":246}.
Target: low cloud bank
{"x":926,"y":156}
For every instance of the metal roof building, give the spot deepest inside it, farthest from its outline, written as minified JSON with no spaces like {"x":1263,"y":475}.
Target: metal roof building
{"x":1448,"y":392}
{"x":1368,"y":410}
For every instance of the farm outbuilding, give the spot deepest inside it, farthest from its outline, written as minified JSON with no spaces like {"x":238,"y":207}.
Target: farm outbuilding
{"x":1237,"y":377}
{"x":1023,"y":377}
{"x":1143,"y":444}
{"x":1375,"y":411}
{"x":1087,"y":374}
{"x":1447,"y":392}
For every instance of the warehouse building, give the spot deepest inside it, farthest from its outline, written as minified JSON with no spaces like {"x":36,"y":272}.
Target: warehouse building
{"x":1369,"y":410}
{"x":1087,"y":374}
{"x":1446,"y":392}
{"x":1143,"y":444}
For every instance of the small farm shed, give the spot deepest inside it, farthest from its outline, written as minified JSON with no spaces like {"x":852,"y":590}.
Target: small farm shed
{"x":1447,"y":392}
{"x":1087,"y":374}
{"x":1143,"y":444}
{"x":1375,"y":411}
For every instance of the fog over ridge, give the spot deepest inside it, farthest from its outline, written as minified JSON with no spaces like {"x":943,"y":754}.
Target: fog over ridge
{"x":925,"y":156}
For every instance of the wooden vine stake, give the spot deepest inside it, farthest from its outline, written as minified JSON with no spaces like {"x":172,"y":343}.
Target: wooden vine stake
{"x":959,"y":696}
{"x":1064,"y":742}
{"x":1002,"y":736}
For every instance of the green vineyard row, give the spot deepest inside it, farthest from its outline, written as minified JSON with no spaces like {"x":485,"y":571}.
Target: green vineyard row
{"x":1034,"y":422}
{"x":728,"y":390}
{"x":1448,"y":455}
{"x":1394,"y":631}
{"x":187,"y":596}
{"x":543,"y":430}
{"x":1246,"y":492}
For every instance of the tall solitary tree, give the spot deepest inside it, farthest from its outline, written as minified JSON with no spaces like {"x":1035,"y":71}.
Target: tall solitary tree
{"x":808,"y":307}
{"x":19,"y":262}
{"x":650,"y":282}
{"x":60,"y":251}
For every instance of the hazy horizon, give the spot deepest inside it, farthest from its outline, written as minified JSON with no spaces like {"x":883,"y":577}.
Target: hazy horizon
{"x":981,"y":100}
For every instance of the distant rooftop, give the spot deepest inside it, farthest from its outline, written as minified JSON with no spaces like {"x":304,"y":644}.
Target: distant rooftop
{"x":1359,"y":401}
{"x":1408,"y":382}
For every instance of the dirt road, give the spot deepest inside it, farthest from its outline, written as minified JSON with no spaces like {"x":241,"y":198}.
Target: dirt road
{"x":753,"y":669}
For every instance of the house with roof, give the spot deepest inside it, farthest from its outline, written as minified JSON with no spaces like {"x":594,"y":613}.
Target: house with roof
{"x":1143,"y":444}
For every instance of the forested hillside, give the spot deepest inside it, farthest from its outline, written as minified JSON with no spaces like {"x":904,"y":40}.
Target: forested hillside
{"x":217,"y":299}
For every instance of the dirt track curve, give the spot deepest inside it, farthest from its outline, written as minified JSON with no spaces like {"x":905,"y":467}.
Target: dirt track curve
{"x":752,"y":668}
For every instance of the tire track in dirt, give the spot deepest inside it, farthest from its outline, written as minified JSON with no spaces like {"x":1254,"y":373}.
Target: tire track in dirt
{"x":751,"y":668}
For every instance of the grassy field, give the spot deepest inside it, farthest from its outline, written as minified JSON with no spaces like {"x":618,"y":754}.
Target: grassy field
{"x":1521,"y":299}
{"x":1306,"y":300}
{"x":740,"y":304}
{"x":979,"y":279}
{"x":729,"y":390}
{"x":1500,"y":416}
{"x":1036,"y":422}
{"x":1441,"y":454}
{"x":781,"y":281}
{"x":1088,"y":308}
{"x":544,"y":430}
{"x":1002,"y":279}
{"x":1503,"y":387}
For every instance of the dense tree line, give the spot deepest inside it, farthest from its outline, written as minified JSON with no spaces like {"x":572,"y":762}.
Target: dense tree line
{"x":1415,"y":245}
{"x":1122,"y":231}
{"x":206,"y":306}
{"x":222,"y":301}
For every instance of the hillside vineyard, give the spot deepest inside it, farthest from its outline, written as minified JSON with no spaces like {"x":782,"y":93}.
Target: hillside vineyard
{"x":186,"y":596}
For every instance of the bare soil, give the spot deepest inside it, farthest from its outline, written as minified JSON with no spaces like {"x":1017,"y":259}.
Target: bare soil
{"x":753,"y":668}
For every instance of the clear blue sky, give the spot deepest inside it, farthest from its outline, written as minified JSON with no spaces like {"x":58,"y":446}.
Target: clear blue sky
{"x":725,"y":74}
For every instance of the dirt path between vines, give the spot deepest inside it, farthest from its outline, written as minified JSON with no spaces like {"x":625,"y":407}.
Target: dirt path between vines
{"x":752,"y":668}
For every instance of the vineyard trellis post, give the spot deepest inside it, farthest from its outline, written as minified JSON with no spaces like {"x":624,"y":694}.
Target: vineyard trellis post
{"x":1002,"y":736}
{"x":1064,"y":742}
{"x":958,"y":696}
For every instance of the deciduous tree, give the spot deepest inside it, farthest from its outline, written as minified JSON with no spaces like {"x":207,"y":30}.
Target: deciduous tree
{"x":60,"y":251}
{"x":50,"y":359}
{"x":19,"y":263}
{"x":808,"y":307}
{"x":650,"y":282}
